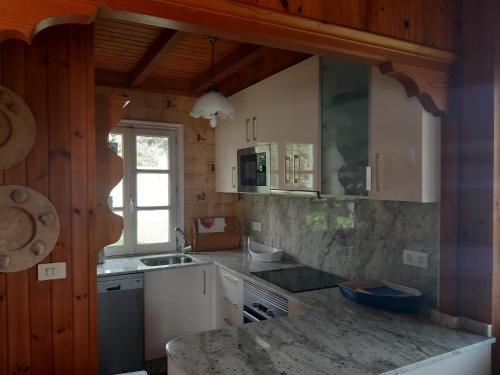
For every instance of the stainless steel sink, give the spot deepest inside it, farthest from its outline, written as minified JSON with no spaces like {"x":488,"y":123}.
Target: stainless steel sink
{"x":167,"y":260}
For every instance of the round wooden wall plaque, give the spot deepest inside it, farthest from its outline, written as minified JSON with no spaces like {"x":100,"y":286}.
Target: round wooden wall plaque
{"x":29,"y":228}
{"x":17,"y":128}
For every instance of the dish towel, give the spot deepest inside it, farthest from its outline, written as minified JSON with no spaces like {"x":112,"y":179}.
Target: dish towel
{"x":211,"y":225}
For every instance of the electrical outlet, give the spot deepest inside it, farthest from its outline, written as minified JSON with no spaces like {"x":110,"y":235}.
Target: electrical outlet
{"x":256,"y":226}
{"x":415,"y":258}
{"x":51,"y":271}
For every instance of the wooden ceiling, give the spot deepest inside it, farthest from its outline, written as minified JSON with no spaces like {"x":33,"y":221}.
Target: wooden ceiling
{"x":129,"y":55}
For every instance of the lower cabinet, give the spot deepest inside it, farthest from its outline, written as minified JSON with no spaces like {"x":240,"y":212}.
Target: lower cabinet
{"x":177,"y":303}
{"x":229,"y":299}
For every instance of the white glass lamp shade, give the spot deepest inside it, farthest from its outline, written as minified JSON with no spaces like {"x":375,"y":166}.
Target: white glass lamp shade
{"x":212,"y":106}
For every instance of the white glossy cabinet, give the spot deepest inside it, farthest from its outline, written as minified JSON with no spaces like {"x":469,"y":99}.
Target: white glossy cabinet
{"x":229,"y":298}
{"x":177,"y":303}
{"x":365,"y":120}
{"x":282,"y":110}
{"x":405,"y":144}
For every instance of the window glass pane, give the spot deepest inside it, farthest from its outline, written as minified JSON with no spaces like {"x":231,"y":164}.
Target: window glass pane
{"x":152,"y":152}
{"x":152,"y":189}
{"x":116,"y":197}
{"x":120,"y":241}
{"x":152,"y":226}
{"x":115,"y":143}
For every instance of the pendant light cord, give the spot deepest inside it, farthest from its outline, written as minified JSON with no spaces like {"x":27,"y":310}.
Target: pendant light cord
{"x":212,"y":40}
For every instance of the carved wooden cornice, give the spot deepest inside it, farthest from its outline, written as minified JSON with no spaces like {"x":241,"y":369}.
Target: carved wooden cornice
{"x":109,"y":169}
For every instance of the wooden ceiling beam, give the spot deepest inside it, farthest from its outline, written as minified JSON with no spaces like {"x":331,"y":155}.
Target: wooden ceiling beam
{"x":243,"y":55}
{"x":119,"y":80}
{"x":160,"y":48}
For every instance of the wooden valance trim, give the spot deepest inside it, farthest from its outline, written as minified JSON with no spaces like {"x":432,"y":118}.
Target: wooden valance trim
{"x":423,"y":70}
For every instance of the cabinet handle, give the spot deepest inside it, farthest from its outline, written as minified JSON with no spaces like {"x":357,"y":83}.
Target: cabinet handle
{"x":230,"y":278}
{"x":368,"y":172}
{"x":254,"y":119}
{"x":247,"y":123}
{"x":296,"y":159}
{"x":204,"y":282}
{"x":235,"y":304}
{"x":233,"y":176}
{"x":228,"y":322}
{"x":377,"y":171}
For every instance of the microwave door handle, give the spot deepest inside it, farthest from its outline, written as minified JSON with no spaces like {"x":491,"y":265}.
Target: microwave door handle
{"x":287,"y":166}
{"x":254,"y":119}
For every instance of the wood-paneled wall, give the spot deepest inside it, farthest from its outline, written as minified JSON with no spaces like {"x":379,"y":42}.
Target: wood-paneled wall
{"x":470,"y":218}
{"x":48,"y":327}
{"x":434,"y":23}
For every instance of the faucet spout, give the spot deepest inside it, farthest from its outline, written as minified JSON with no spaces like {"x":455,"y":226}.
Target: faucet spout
{"x":180,"y":240}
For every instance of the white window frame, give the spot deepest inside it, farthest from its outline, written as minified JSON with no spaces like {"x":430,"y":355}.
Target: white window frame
{"x":129,"y":130}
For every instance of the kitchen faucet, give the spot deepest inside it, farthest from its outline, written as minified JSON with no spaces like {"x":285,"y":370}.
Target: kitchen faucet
{"x":180,"y":240}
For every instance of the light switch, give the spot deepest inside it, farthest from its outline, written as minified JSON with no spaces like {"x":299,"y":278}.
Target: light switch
{"x":51,"y":271}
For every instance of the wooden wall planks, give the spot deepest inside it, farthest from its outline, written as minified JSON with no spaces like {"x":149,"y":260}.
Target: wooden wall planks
{"x":46,"y":326}
{"x":38,"y":179}
{"x":433,"y":23}
{"x":470,"y":226}
{"x":17,"y":291}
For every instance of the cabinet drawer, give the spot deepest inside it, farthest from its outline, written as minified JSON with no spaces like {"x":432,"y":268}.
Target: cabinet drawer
{"x":232,"y":312}
{"x":231,"y":285}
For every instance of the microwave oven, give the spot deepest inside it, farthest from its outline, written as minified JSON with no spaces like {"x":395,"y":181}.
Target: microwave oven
{"x":254,"y":170}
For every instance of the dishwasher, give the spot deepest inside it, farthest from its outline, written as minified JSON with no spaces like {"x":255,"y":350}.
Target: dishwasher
{"x":120,"y":323}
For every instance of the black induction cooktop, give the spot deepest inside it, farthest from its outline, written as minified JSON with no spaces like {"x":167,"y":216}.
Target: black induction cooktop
{"x":300,"y":279}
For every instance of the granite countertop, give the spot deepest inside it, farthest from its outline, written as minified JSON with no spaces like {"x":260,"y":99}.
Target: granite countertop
{"x":336,"y":336}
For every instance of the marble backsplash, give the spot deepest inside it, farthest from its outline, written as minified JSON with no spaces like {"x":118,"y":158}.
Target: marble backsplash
{"x":353,"y":238}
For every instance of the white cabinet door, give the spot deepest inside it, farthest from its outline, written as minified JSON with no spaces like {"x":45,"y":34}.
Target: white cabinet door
{"x":230,"y":136}
{"x":225,"y":152}
{"x":177,"y":303}
{"x":405,"y":144}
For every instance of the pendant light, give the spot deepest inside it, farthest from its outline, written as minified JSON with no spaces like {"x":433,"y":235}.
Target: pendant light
{"x":212,"y":105}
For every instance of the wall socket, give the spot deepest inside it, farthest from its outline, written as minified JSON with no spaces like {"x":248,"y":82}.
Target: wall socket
{"x":256,"y":226}
{"x":415,"y":258}
{"x":51,"y":271}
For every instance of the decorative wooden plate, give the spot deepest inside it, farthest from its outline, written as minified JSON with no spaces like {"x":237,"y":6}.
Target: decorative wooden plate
{"x":29,"y":228}
{"x":17,"y":128}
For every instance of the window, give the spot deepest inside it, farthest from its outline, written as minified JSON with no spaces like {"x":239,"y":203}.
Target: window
{"x":148,"y":197}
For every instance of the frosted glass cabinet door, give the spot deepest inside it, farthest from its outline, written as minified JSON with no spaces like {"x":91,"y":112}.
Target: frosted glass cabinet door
{"x":344,"y":127}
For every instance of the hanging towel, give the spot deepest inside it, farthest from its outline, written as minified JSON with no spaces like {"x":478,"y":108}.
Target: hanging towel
{"x":211,"y":225}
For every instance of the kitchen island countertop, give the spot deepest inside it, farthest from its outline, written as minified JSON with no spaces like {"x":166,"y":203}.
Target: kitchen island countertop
{"x":335,"y":336}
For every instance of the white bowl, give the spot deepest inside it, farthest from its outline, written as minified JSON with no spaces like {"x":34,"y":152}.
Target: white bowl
{"x":264,"y":253}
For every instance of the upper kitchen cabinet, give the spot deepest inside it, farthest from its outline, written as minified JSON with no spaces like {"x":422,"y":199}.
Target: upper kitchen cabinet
{"x":229,"y":138}
{"x":282,"y":111}
{"x":405,"y":144}
{"x":344,"y":127}
{"x":375,"y":141}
